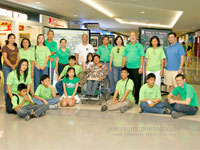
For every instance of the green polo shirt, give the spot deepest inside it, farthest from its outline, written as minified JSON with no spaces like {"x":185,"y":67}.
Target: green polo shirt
{"x":117,"y":56}
{"x":77,"y":68}
{"x":21,"y":98}
{"x":133,"y":54}
{"x":187,"y":92}
{"x":53,"y":48}
{"x":63,"y":56}
{"x":104,"y":52}
{"x":44,"y":92}
{"x":149,"y":93}
{"x":154,"y":58}
{"x":123,"y":86}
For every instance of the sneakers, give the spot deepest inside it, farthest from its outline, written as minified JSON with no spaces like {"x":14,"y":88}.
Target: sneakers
{"x":177,"y":114}
{"x":124,"y":109}
{"x":167,"y":111}
{"x":53,"y":107}
{"x":28,"y":117}
{"x":104,"y":108}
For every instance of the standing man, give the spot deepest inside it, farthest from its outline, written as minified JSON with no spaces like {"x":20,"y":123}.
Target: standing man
{"x":104,"y":52}
{"x":175,"y":57}
{"x":52,"y":45}
{"x":133,"y":58}
{"x":83,"y":49}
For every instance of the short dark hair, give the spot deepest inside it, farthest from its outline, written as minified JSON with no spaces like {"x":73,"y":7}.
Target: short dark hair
{"x":115,"y":42}
{"x":172,"y":33}
{"x":151,"y":75}
{"x":50,"y":31}
{"x":96,"y":55}
{"x":43,"y":77}
{"x":23,"y":41}
{"x":71,"y":68}
{"x":63,"y":39}
{"x":72,"y":57}
{"x":105,"y":37}
{"x":180,"y":75}
{"x":154,"y":37}
{"x":125,"y":69}
{"x":21,"y":87}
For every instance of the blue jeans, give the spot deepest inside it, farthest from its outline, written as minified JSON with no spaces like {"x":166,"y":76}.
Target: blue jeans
{"x":110,"y":77}
{"x":158,"y":108}
{"x":186,"y":109}
{"x":51,"y":101}
{"x":37,"y":76}
{"x":92,"y":87}
{"x":6,"y":70}
{"x":26,"y":110}
{"x":60,"y":68}
{"x":116,"y":75}
{"x":59,"y":88}
{"x":52,"y":73}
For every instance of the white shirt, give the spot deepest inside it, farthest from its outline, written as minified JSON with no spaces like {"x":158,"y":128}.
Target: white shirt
{"x":83,"y":51}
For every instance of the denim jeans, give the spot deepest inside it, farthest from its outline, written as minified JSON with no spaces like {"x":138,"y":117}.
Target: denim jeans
{"x":92,"y":87}
{"x":158,"y":108}
{"x":26,"y":110}
{"x":51,"y":101}
{"x":6,"y":70}
{"x":59,"y":88}
{"x":116,"y":75}
{"x":37,"y":76}
{"x":52,"y":73}
{"x":186,"y":109}
{"x":60,"y":68}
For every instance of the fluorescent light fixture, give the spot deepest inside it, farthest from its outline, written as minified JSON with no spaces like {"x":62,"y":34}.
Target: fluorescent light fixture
{"x":142,"y":12}
{"x":97,"y":7}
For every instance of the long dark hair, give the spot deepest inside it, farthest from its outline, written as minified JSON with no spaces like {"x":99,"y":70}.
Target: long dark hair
{"x":19,"y":67}
{"x":9,"y":35}
{"x":89,"y":54}
{"x":70,"y":68}
{"x":38,"y":37}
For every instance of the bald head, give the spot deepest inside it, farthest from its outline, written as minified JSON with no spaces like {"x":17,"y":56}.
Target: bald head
{"x":133,"y":37}
{"x":84,"y":38}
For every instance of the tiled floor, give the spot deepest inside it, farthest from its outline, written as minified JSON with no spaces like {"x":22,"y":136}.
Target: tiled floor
{"x":85,"y":127}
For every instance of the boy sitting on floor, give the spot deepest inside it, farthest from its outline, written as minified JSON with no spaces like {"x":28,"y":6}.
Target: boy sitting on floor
{"x":46,"y":94}
{"x":24,"y":106}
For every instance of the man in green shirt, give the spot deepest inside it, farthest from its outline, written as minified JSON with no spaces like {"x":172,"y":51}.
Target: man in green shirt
{"x":150,"y":97}
{"x":52,"y":45}
{"x":188,"y":105}
{"x":124,"y":89}
{"x":104,"y":53}
{"x":134,"y":59}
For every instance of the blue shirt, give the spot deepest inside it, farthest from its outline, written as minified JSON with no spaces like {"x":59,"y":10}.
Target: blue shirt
{"x":173,"y":56}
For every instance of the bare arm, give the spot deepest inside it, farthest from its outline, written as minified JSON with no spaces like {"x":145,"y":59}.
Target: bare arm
{"x":53,"y":91}
{"x":115,"y":97}
{"x":125,"y":95}
{"x":65,"y":92}
{"x":6,"y":59}
{"x":75,"y":90}
{"x":123,"y":61}
{"x":77,"y":55}
{"x":110,"y":64}
{"x":182,"y":62}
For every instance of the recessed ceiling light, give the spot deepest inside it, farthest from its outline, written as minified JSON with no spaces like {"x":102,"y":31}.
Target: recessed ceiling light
{"x":142,"y":12}
{"x":38,"y":2}
{"x":146,"y":20}
{"x":193,"y":27}
{"x":75,"y":15}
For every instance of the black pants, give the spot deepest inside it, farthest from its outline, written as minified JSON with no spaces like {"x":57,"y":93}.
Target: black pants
{"x":137,"y":79}
{"x":9,"y":105}
{"x":60,"y":68}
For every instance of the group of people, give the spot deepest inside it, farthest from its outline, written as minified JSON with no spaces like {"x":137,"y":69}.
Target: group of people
{"x":122,"y":65}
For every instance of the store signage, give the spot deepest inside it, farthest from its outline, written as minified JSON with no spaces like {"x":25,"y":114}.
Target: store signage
{"x":13,"y":14}
{"x":55,"y":22}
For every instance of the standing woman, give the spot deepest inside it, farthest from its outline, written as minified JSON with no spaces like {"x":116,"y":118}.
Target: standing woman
{"x":10,"y":57}
{"x":62,"y":56}
{"x":116,"y":57}
{"x":42,"y":54}
{"x":16,"y":77}
{"x":155,"y":59}
{"x":26,"y":53}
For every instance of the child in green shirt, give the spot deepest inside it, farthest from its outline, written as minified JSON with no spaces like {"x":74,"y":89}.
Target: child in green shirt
{"x":46,"y":93}
{"x":24,"y":106}
{"x":124,"y":88}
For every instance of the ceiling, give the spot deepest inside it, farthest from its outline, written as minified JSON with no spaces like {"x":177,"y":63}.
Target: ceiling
{"x":162,"y":12}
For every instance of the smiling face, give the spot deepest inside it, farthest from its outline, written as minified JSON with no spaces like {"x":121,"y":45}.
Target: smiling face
{"x":171,"y":39}
{"x":96,"y":60}
{"x":105,"y":41}
{"x":50,"y":35}
{"x":124,"y":74}
{"x":63,"y":44}
{"x":119,"y":41}
{"x":41,"y":39}
{"x":71,"y":73}
{"x":25,"y":43}
{"x":24,"y":66}
{"x":180,"y":81}
{"x":154,"y":42}
{"x":151,"y":81}
{"x":85,"y":38}
{"x":22,"y":92}
{"x":11,"y":39}
{"x":133,"y":37}
{"x":46,"y":82}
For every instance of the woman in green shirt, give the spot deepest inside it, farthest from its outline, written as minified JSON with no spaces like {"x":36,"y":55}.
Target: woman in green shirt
{"x":20,"y":75}
{"x":62,"y":56}
{"x":26,"y":53}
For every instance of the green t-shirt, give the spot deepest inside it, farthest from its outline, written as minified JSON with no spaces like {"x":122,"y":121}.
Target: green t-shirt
{"x":104,"y":52}
{"x":70,"y":85}
{"x":21,"y":98}
{"x":41,"y":53}
{"x":123,"y":86}
{"x":77,"y":68}
{"x":117,"y":56}
{"x":187,"y":92}
{"x":13,"y":81}
{"x":28,"y":55}
{"x":63,"y":56}
{"x":133,"y":55}
{"x":44,"y":92}
{"x":154,"y":58}
{"x":53,"y":48}
{"x":149,"y":93}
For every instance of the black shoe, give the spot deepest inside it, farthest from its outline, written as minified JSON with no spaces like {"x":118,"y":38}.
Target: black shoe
{"x":112,"y":94}
{"x":104,"y":108}
{"x":177,"y":114}
{"x":124,"y":109}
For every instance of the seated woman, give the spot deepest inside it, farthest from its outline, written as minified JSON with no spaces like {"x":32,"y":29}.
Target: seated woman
{"x":20,"y":75}
{"x":97,"y":72}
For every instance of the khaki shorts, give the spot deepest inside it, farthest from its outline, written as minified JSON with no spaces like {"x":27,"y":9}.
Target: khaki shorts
{"x":169,"y":77}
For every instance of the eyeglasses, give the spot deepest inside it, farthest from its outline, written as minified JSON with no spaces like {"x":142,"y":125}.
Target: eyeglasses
{"x":118,"y":50}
